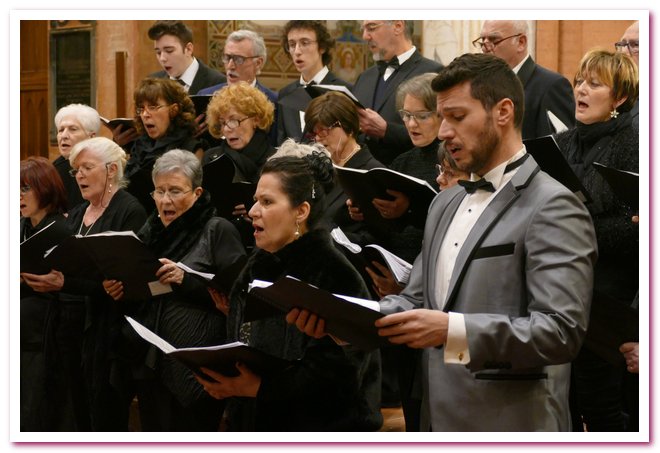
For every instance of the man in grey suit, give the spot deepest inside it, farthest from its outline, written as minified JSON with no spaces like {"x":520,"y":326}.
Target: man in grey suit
{"x":397,"y":60}
{"x":549,"y":101}
{"x":499,"y":298}
{"x":173,"y":44}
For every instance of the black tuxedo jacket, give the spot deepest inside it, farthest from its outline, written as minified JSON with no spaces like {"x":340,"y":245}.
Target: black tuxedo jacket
{"x":205,"y":77}
{"x":396,"y":139}
{"x":288,"y":118}
{"x":545,"y":90}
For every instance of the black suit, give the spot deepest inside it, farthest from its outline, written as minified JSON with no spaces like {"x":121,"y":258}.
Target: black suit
{"x":288,"y":118}
{"x":396,"y":138}
{"x":205,"y":77}
{"x":545,"y":90}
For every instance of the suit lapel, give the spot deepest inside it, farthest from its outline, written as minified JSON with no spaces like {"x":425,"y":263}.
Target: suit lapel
{"x":526,"y":71}
{"x":486,"y":222}
{"x":397,"y":77}
{"x":367,"y":85}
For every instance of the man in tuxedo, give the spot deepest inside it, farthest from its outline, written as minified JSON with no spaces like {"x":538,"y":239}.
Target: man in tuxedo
{"x":499,"y":298}
{"x":549,"y":101}
{"x":244,"y":56}
{"x":173,"y":43}
{"x":390,"y":42}
{"x":309,"y":45}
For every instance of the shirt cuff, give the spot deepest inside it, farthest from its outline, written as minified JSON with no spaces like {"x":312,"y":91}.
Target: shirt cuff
{"x":456,"y":348}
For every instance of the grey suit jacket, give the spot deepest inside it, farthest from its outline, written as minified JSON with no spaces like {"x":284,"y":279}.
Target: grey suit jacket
{"x":523,"y":280}
{"x":205,"y":77}
{"x":545,"y":90}
{"x":396,"y":139}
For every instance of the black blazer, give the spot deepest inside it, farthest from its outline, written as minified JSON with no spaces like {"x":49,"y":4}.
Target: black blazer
{"x":545,"y":90}
{"x":205,"y":77}
{"x":396,"y":138}
{"x":288,"y":118}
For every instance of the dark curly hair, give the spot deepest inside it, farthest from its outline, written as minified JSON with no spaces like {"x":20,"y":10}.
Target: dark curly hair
{"x":303,"y":179}
{"x":323,"y":38}
{"x":151,"y":90}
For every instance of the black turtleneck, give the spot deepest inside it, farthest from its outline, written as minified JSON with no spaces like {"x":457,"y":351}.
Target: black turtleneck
{"x":419,"y":162}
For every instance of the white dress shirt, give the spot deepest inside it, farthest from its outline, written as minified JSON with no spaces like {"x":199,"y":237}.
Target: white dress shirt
{"x":467,"y":215}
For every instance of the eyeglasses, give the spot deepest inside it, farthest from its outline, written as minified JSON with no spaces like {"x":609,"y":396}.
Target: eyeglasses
{"x":84,"y":169}
{"x":418,"y":116}
{"x":322,"y":132}
{"x":26,"y":188}
{"x":303,"y":43}
{"x":232,"y":123}
{"x":489,"y":43}
{"x":151,"y":109}
{"x":173,"y":194}
{"x":238,"y":59}
{"x":370,"y":28}
{"x":632,"y":46}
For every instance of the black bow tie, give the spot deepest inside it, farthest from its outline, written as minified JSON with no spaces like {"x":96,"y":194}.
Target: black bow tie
{"x":383,"y":65}
{"x":483,"y":184}
{"x":473,"y":186}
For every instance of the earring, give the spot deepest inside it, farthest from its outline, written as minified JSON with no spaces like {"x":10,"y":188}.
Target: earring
{"x":110,"y":188}
{"x":297,"y":233}
{"x":614,"y":113}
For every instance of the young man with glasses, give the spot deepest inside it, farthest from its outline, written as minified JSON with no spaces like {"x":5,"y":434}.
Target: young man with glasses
{"x":173,"y":44}
{"x":244,"y":56}
{"x":390,"y":42}
{"x":309,"y":45}
{"x":549,"y":102}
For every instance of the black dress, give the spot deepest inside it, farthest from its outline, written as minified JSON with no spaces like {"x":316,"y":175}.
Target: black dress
{"x":51,"y":399}
{"x":105,"y":375}
{"x":144,"y":153}
{"x":599,"y":385}
{"x":170,"y":398}
{"x":73,"y":195}
{"x":329,"y":388}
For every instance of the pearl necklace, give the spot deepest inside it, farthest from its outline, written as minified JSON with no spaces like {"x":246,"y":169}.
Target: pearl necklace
{"x":347,"y":158}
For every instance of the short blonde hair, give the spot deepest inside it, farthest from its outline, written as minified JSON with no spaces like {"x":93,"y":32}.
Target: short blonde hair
{"x":246,"y":99}
{"x":106,"y":150}
{"x":614,"y":69}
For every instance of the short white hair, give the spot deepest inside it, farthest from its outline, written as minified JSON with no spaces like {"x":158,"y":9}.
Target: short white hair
{"x":294,"y":149}
{"x":106,"y":150}
{"x":88,"y":118}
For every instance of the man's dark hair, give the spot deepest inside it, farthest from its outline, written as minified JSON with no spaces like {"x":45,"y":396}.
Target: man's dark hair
{"x":323,"y":38}
{"x":491,"y":80}
{"x":171,"y":27}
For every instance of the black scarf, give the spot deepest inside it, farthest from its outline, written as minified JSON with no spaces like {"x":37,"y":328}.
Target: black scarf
{"x":250,"y":159}
{"x":588,"y":146}
{"x":176,"y":240}
{"x":146,"y":150}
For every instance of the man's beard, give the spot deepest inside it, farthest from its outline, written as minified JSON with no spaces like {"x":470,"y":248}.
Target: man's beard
{"x":487,"y":142}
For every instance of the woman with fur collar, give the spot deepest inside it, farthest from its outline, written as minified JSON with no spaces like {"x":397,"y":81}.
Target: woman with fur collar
{"x":329,"y":387}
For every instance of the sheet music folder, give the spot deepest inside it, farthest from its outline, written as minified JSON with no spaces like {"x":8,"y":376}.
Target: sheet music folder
{"x":547,"y":154}
{"x":345,"y":320}
{"x":221,"y":358}
{"x":624,"y":184}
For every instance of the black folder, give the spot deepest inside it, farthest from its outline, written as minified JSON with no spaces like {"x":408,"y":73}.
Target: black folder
{"x":112,"y":124}
{"x":220,"y":358}
{"x":624,"y":184}
{"x":35,"y":247}
{"x":111,"y":256}
{"x":547,"y":154}
{"x":318,"y":90}
{"x":227,"y":190}
{"x":611,"y":323}
{"x":362,"y":186}
{"x":201,"y":102}
{"x":345,"y":320}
